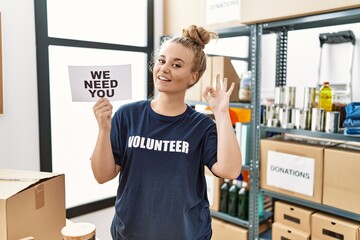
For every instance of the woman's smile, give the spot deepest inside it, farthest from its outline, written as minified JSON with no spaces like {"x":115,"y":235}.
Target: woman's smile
{"x":163,"y":79}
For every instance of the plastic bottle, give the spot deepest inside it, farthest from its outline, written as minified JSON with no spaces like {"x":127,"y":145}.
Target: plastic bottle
{"x":233,"y":198}
{"x":224,"y":196}
{"x":261,"y":205}
{"x":243,"y":202}
{"x":326,"y":97}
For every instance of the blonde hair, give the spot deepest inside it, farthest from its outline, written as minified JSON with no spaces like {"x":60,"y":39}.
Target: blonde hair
{"x":194,"y":38}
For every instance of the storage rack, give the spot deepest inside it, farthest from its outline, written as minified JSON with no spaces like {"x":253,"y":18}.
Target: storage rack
{"x":255,"y":33}
{"x":281,"y":28}
{"x":254,"y":58}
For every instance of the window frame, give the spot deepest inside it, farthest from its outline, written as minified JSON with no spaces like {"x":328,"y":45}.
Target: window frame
{"x":43,"y":41}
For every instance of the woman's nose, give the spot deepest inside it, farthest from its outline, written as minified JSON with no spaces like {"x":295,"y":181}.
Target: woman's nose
{"x":164,"y":68}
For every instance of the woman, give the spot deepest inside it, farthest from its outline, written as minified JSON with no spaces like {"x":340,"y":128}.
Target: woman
{"x":160,"y":148}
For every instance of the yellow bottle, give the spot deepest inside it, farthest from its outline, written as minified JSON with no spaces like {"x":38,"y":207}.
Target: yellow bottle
{"x":326,"y":97}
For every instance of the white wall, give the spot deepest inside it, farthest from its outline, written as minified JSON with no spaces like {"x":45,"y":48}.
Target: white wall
{"x":19,"y":131}
{"x":304,"y":59}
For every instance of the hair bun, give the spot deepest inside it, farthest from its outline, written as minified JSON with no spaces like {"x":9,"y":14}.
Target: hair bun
{"x":198,"y":34}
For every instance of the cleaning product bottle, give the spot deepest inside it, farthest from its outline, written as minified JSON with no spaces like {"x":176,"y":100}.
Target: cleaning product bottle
{"x":243,"y":202}
{"x":233,"y":198}
{"x":224,"y":196}
{"x":326,"y":97}
{"x":261,"y":205}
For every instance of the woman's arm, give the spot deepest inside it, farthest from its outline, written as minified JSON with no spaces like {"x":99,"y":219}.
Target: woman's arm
{"x":229,"y":160}
{"x":102,"y":160}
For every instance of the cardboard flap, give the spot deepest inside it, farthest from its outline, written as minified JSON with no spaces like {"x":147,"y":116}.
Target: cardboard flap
{"x":13,"y":181}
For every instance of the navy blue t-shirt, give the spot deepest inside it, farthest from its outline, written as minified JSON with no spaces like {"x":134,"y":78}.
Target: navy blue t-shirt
{"x":162,"y":188}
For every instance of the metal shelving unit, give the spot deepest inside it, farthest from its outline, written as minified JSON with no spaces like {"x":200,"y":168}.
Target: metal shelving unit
{"x":313,"y":205}
{"x":334,"y":136}
{"x":232,"y":104}
{"x":238,"y":221}
{"x":255,"y":32}
{"x":254,"y":55}
{"x":281,"y":28}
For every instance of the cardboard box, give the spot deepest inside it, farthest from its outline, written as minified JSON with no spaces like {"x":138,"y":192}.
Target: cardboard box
{"x":341,"y":179}
{"x":222,"y":65}
{"x":218,"y":14}
{"x":303,"y":178}
{"x":293,"y":216}
{"x":215,"y":65}
{"x":282,"y":231}
{"x":223,"y":230}
{"x":213,"y":189}
{"x":329,"y":227}
{"x":256,"y":11}
{"x":32,"y":204}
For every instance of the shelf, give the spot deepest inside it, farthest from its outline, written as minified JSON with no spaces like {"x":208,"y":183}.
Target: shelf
{"x":238,"y":221}
{"x":234,"y":31}
{"x":232,"y":104}
{"x":334,"y":136}
{"x":314,"y":21}
{"x":255,"y":32}
{"x":317,"y":206}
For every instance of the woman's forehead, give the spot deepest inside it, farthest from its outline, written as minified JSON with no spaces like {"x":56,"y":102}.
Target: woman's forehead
{"x":175,"y":50}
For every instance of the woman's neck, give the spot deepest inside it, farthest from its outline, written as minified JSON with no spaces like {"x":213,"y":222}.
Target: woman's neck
{"x":168,"y":107}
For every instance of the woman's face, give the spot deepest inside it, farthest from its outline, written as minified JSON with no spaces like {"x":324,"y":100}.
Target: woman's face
{"x":172,"y":70}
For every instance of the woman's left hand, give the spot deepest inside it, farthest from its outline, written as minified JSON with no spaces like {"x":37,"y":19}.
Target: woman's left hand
{"x":218,"y":99}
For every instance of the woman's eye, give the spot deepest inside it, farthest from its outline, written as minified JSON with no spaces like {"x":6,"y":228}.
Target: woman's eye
{"x":176,"y":65}
{"x":161,"y":60}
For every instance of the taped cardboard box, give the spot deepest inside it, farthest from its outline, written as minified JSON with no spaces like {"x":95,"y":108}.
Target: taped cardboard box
{"x":256,"y":11}
{"x":218,"y":14}
{"x":282,"y":231}
{"x":32,"y":204}
{"x":292,"y":168}
{"x":226,"y":231}
{"x":223,"y":230}
{"x":341,"y":179}
{"x":294,"y":216}
{"x":327,"y":227}
{"x":215,"y":65}
{"x":222,"y":65}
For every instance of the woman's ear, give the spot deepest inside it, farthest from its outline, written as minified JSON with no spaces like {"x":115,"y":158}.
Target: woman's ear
{"x":194,"y":78}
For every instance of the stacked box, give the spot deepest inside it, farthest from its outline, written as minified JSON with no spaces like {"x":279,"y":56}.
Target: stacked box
{"x":292,"y":168}
{"x":291,"y":221}
{"x":328,"y":227}
{"x":341,"y":187}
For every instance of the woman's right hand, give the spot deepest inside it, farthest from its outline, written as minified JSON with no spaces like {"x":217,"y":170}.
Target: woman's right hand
{"x":102,"y":160}
{"x":103,"y":111}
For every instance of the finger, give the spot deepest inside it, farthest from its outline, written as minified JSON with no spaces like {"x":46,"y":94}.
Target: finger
{"x":104,"y":104}
{"x":231,"y":88}
{"x":218,"y":84}
{"x":225,"y":84}
{"x":104,"y":108}
{"x":206,"y":93}
{"x":100,"y":102}
{"x":104,"y":114}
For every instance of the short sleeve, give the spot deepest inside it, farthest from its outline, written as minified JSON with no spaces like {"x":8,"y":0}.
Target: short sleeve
{"x":115,"y":137}
{"x":210,"y":147}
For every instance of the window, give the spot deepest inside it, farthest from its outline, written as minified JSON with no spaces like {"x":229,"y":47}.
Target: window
{"x":85,"y":32}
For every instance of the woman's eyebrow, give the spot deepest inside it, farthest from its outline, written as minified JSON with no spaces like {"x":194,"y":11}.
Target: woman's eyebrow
{"x":175,"y":59}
